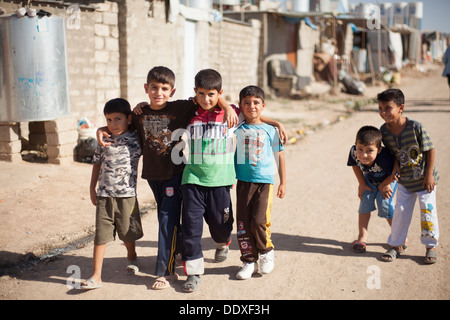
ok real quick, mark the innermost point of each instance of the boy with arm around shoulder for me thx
(115, 173)
(410, 143)
(257, 144)
(207, 178)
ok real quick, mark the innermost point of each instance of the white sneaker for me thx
(247, 270)
(267, 262)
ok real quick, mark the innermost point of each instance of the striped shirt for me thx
(409, 148)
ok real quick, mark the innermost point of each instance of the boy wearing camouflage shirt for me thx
(115, 172)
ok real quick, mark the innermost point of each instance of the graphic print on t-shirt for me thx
(156, 131)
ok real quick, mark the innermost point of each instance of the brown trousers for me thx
(253, 212)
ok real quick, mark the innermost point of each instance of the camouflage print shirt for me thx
(119, 163)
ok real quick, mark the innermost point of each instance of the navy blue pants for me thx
(212, 204)
(168, 200)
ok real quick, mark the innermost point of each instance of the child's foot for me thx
(131, 268)
(359, 246)
(221, 255)
(247, 270)
(267, 262)
(164, 282)
(393, 253)
(191, 283)
(431, 256)
(91, 283)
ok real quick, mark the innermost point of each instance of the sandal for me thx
(91, 283)
(390, 255)
(431, 257)
(131, 267)
(164, 282)
(359, 246)
(191, 283)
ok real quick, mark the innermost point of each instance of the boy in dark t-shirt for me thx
(372, 165)
(157, 124)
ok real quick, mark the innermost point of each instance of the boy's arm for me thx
(282, 173)
(138, 109)
(93, 185)
(362, 185)
(428, 180)
(280, 127)
(103, 132)
(230, 115)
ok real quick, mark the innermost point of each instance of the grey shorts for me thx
(117, 215)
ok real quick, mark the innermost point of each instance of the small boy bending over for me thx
(372, 165)
(115, 172)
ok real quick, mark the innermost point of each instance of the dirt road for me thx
(313, 226)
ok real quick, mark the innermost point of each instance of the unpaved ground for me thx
(46, 206)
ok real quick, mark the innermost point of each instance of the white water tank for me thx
(198, 4)
(415, 10)
(400, 13)
(300, 5)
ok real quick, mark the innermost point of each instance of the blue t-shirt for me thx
(380, 169)
(256, 145)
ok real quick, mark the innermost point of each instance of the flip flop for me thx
(431, 254)
(390, 255)
(359, 246)
(131, 267)
(191, 283)
(91, 283)
(164, 282)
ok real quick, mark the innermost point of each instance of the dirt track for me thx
(43, 205)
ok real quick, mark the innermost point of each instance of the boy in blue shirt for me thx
(257, 144)
(372, 165)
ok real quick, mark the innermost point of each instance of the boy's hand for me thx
(428, 182)
(138, 109)
(363, 187)
(283, 133)
(101, 132)
(281, 191)
(230, 117)
(386, 190)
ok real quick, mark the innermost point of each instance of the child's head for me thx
(208, 88)
(251, 103)
(368, 144)
(118, 115)
(391, 104)
(160, 86)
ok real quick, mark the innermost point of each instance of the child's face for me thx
(207, 98)
(390, 112)
(117, 123)
(158, 93)
(367, 153)
(252, 107)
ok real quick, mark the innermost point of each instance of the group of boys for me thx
(405, 167)
(190, 179)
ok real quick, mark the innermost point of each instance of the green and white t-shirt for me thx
(210, 161)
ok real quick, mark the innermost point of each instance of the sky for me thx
(436, 13)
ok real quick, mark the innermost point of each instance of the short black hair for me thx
(368, 135)
(118, 105)
(395, 95)
(208, 79)
(161, 74)
(252, 91)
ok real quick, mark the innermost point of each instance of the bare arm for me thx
(428, 181)
(93, 185)
(231, 117)
(282, 173)
(362, 185)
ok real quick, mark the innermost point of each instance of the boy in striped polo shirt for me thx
(417, 176)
